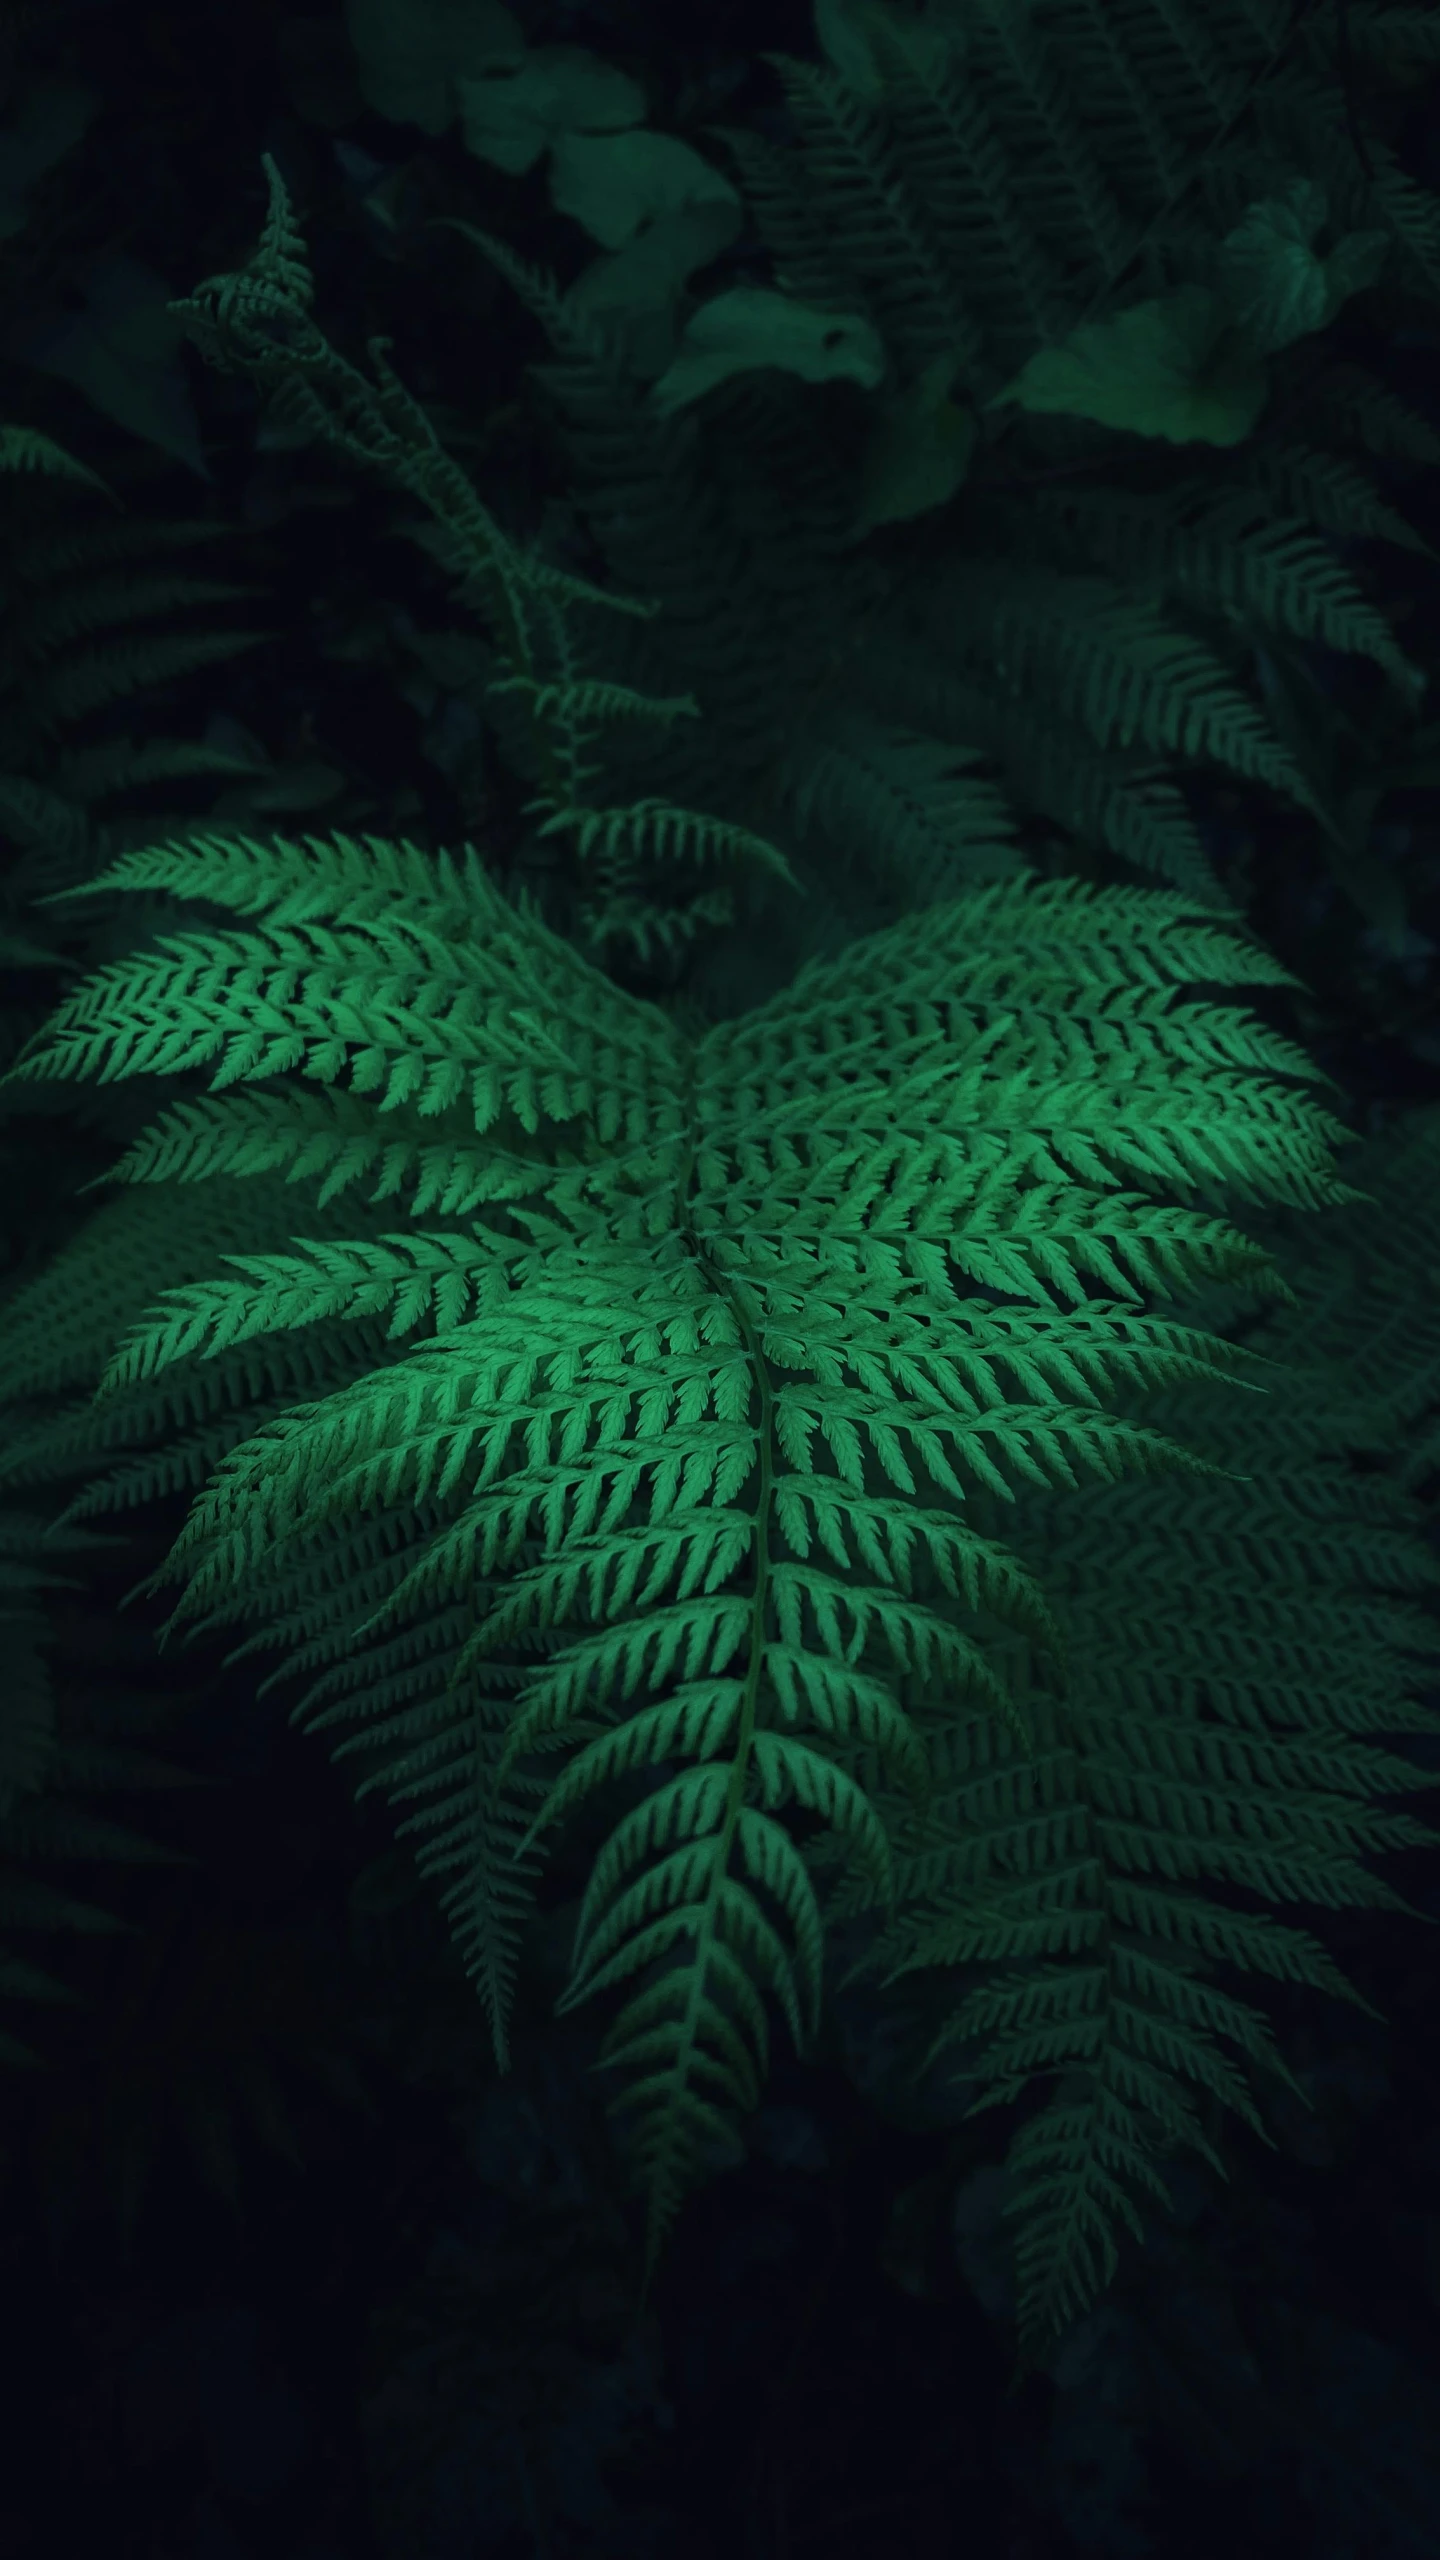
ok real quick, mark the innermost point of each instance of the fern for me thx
(85, 630)
(1240, 1647)
(258, 322)
(736, 1327)
(971, 188)
(968, 190)
(762, 1404)
(75, 640)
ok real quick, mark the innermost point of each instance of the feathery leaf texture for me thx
(83, 630)
(698, 1392)
(258, 321)
(780, 1403)
(1240, 1648)
(972, 188)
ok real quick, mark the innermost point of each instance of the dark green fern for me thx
(540, 694)
(972, 190)
(762, 1403)
(1241, 1650)
(709, 1345)
(88, 626)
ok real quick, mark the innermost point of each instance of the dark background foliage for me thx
(288, 2269)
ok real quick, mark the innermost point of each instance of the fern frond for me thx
(1336, 497)
(68, 614)
(897, 266)
(1127, 802)
(87, 606)
(387, 996)
(408, 1278)
(63, 1325)
(26, 449)
(737, 1371)
(90, 679)
(1240, 1647)
(1113, 662)
(424, 1731)
(105, 767)
(1225, 554)
(908, 808)
(692, 1447)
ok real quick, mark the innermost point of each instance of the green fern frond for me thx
(689, 1436)
(1240, 1647)
(634, 925)
(434, 1741)
(332, 1138)
(1111, 661)
(1411, 213)
(68, 614)
(258, 322)
(780, 1299)
(44, 546)
(909, 809)
(26, 449)
(63, 1326)
(807, 262)
(884, 243)
(674, 835)
(92, 678)
(984, 181)
(87, 605)
(974, 186)
(408, 1278)
(418, 1728)
(746, 557)
(1223, 553)
(590, 699)
(1052, 767)
(73, 580)
(955, 154)
(1332, 493)
(105, 767)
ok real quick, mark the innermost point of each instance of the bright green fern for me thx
(703, 1349)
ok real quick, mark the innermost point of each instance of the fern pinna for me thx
(702, 1351)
